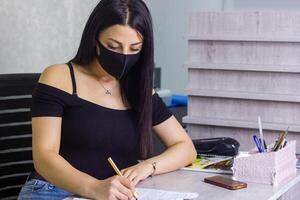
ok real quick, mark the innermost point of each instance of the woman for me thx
(101, 104)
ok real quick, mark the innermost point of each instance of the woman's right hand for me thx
(114, 188)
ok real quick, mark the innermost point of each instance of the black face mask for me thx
(116, 64)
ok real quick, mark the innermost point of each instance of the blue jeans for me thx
(35, 189)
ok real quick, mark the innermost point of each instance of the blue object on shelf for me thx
(171, 105)
(178, 100)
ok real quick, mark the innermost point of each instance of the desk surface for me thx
(189, 181)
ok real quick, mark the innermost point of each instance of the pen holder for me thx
(267, 168)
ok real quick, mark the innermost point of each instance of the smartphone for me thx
(225, 182)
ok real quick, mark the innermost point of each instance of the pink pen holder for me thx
(267, 168)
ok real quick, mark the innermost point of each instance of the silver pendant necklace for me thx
(108, 91)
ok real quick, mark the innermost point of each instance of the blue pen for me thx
(258, 144)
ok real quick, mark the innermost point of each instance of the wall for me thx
(35, 34)
(170, 24)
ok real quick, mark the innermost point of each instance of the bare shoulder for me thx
(153, 91)
(58, 76)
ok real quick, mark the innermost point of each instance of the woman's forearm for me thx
(175, 157)
(62, 174)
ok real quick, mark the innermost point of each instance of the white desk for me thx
(188, 181)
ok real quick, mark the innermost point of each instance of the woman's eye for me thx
(135, 50)
(112, 47)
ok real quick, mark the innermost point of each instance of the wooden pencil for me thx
(114, 166)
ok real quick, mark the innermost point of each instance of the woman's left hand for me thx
(138, 172)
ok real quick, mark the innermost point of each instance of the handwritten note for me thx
(154, 194)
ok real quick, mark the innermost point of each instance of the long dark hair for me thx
(136, 87)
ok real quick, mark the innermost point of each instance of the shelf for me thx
(240, 38)
(231, 123)
(243, 67)
(244, 95)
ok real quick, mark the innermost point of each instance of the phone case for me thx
(225, 182)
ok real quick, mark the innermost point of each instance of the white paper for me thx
(154, 194)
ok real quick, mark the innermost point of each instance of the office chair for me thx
(15, 132)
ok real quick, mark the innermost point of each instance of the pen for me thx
(258, 144)
(278, 142)
(263, 143)
(287, 131)
(281, 140)
(261, 134)
(114, 166)
(284, 142)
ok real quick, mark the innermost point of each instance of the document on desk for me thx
(154, 194)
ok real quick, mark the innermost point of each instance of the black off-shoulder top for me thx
(91, 133)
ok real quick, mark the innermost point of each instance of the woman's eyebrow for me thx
(121, 42)
(137, 43)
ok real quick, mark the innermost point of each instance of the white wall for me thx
(170, 24)
(38, 33)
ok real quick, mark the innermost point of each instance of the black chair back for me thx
(15, 132)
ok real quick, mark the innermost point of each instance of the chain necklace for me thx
(107, 91)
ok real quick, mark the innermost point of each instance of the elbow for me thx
(193, 153)
(37, 164)
(190, 152)
(40, 162)
(37, 169)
